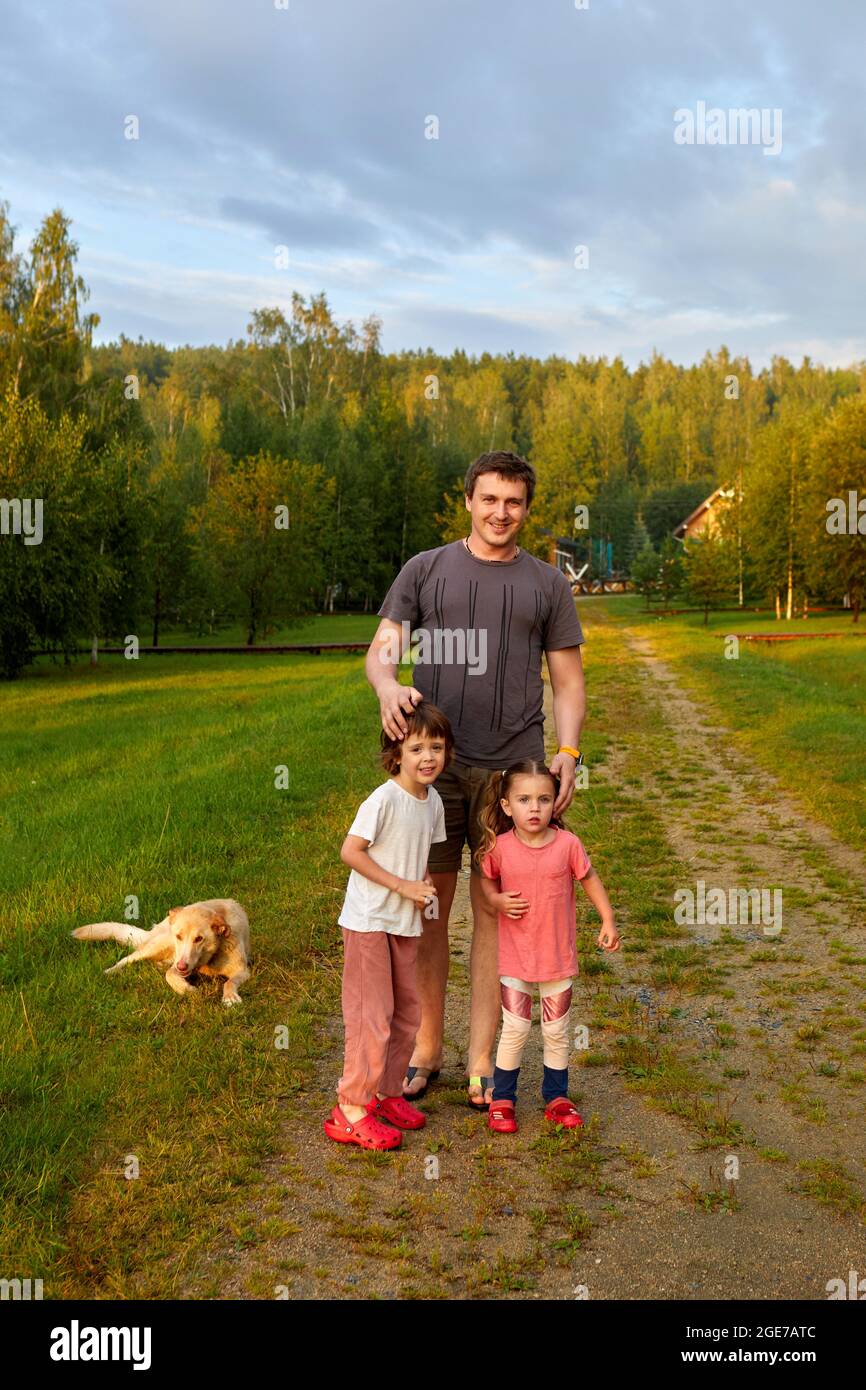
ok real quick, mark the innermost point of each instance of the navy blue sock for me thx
(505, 1084)
(555, 1083)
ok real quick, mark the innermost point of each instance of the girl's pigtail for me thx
(491, 817)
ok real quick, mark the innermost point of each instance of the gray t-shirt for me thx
(481, 628)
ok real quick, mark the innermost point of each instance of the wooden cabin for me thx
(705, 517)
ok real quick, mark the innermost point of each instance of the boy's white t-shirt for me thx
(401, 830)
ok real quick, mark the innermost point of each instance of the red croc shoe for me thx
(562, 1112)
(369, 1133)
(500, 1117)
(394, 1110)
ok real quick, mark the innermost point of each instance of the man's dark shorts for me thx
(461, 788)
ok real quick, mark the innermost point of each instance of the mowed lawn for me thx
(798, 708)
(156, 779)
(320, 627)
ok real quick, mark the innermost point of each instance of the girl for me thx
(529, 861)
(386, 849)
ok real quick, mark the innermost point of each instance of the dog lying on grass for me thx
(209, 938)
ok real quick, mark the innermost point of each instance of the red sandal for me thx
(369, 1132)
(397, 1111)
(500, 1117)
(562, 1112)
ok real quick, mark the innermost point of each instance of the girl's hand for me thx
(510, 904)
(421, 891)
(608, 937)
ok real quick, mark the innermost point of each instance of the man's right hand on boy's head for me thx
(396, 700)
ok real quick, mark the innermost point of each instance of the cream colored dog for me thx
(209, 938)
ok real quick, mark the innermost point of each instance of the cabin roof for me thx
(680, 531)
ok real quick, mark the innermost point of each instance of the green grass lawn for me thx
(318, 627)
(156, 779)
(798, 708)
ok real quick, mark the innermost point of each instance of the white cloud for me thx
(306, 127)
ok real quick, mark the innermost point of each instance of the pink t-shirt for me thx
(541, 944)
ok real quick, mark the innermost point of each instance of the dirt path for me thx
(794, 1022)
(541, 1216)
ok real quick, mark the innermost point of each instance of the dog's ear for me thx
(173, 913)
(220, 925)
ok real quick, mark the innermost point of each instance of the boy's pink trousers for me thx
(381, 1013)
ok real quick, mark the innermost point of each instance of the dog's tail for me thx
(112, 931)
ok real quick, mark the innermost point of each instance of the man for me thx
(486, 609)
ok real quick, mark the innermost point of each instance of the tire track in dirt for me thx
(786, 1100)
(754, 835)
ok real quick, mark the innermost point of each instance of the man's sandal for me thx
(501, 1118)
(481, 1083)
(427, 1075)
(369, 1133)
(394, 1110)
(562, 1112)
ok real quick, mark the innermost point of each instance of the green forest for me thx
(295, 469)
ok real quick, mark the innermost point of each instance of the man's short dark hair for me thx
(507, 466)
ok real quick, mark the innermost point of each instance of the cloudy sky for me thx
(306, 127)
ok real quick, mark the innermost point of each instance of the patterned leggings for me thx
(516, 1015)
